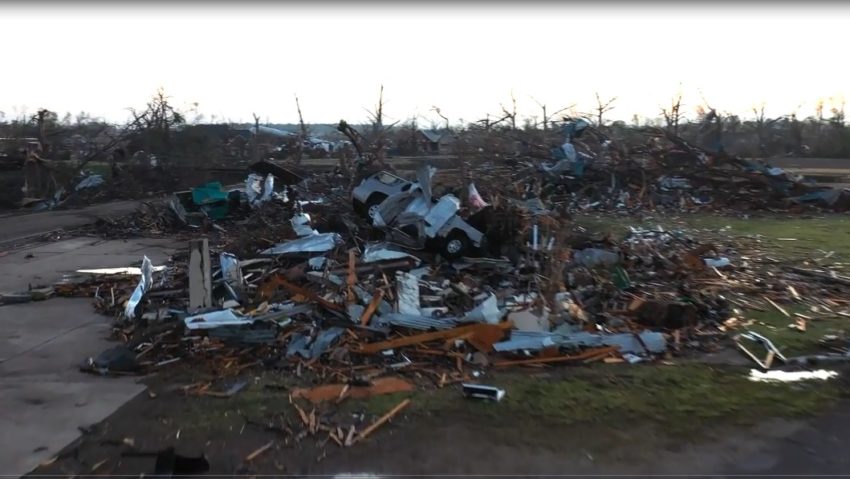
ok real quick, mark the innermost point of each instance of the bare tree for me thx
(255, 147)
(602, 108)
(673, 115)
(796, 134)
(548, 117)
(837, 110)
(819, 110)
(370, 149)
(511, 115)
(302, 137)
(154, 124)
(378, 131)
(41, 119)
(763, 124)
(377, 137)
(488, 125)
(711, 124)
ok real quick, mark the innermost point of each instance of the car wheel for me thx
(372, 204)
(455, 245)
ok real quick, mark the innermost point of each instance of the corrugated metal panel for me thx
(417, 322)
(627, 342)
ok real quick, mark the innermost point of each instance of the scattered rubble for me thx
(594, 173)
(413, 289)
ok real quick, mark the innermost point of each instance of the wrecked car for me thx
(410, 216)
(374, 189)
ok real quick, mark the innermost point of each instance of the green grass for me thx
(827, 233)
(255, 403)
(681, 399)
(774, 325)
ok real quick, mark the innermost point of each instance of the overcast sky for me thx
(239, 59)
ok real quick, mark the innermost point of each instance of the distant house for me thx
(435, 142)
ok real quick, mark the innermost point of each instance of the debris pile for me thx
(369, 295)
(669, 172)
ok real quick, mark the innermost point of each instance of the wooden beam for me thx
(386, 417)
(373, 306)
(200, 279)
(484, 335)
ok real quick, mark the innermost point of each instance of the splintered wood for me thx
(330, 392)
(778, 308)
(482, 337)
(386, 417)
(373, 306)
(256, 453)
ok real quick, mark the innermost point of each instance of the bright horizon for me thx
(239, 59)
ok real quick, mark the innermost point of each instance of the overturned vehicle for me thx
(409, 215)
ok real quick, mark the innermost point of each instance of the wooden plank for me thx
(373, 306)
(268, 288)
(779, 308)
(386, 417)
(258, 451)
(200, 279)
(351, 280)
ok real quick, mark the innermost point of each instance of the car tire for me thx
(373, 202)
(455, 245)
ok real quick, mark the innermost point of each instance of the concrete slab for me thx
(44, 398)
(16, 227)
(40, 417)
(69, 325)
(46, 264)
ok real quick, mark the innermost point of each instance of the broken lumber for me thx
(258, 451)
(200, 279)
(386, 417)
(778, 308)
(268, 288)
(373, 306)
(589, 354)
(483, 337)
(329, 392)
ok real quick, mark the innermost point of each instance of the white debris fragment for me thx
(790, 376)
